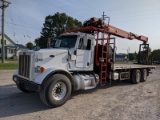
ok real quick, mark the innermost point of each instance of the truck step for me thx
(89, 87)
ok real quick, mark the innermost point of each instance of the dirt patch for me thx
(121, 101)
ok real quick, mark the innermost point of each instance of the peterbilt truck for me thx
(80, 59)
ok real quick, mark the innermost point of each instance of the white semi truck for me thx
(79, 60)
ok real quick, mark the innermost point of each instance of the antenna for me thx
(104, 18)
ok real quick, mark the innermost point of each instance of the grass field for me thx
(8, 65)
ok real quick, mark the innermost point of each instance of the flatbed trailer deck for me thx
(132, 72)
(132, 66)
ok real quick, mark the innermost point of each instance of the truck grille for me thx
(24, 65)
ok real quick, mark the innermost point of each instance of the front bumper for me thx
(28, 85)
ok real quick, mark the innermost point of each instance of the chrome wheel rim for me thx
(59, 91)
(138, 76)
(145, 74)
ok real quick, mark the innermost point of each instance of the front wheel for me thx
(56, 91)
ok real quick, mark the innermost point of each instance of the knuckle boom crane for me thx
(97, 25)
(103, 59)
(80, 59)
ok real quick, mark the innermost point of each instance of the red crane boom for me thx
(96, 24)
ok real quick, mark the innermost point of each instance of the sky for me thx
(24, 18)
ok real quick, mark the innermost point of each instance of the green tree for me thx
(149, 52)
(55, 25)
(156, 55)
(135, 55)
(131, 56)
(30, 45)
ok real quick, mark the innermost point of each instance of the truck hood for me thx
(43, 55)
(51, 51)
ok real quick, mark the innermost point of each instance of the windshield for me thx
(65, 41)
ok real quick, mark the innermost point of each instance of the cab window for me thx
(85, 45)
(81, 44)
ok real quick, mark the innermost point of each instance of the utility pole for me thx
(3, 6)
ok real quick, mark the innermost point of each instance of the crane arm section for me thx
(96, 24)
(118, 32)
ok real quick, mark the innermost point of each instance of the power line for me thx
(24, 28)
(15, 9)
(22, 25)
(18, 10)
(14, 33)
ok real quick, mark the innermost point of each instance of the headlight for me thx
(39, 69)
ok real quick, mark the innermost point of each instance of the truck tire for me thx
(143, 75)
(136, 76)
(56, 91)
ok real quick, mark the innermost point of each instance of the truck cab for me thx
(70, 62)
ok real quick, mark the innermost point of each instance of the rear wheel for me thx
(143, 75)
(136, 76)
(56, 91)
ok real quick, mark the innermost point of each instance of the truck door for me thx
(84, 53)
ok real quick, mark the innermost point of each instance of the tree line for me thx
(153, 55)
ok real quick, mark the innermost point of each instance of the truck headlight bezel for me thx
(39, 69)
